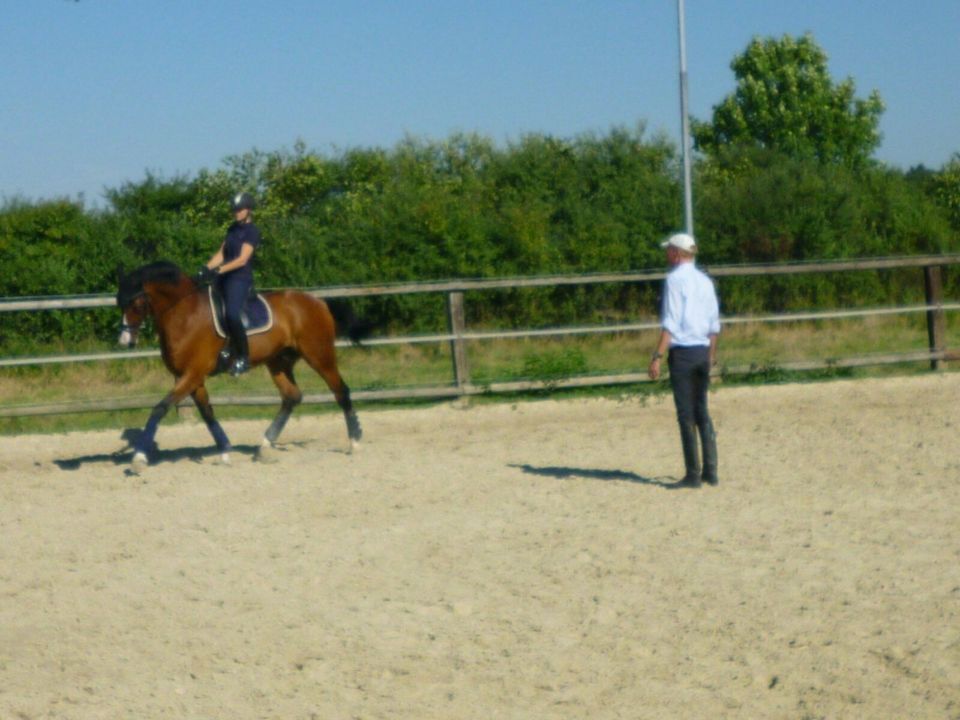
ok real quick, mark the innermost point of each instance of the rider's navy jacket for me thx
(237, 235)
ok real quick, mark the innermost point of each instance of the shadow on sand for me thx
(124, 455)
(563, 473)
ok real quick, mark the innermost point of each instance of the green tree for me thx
(946, 190)
(786, 101)
(50, 248)
(756, 205)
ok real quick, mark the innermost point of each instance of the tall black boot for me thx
(240, 350)
(708, 438)
(691, 455)
(224, 357)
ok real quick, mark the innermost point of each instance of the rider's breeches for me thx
(235, 291)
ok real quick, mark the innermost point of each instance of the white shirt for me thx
(690, 310)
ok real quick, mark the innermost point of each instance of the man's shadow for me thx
(124, 455)
(564, 473)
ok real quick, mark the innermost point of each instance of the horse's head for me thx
(133, 296)
(132, 302)
(131, 320)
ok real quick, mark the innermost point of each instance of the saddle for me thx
(256, 315)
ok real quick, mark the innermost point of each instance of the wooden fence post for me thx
(458, 346)
(936, 322)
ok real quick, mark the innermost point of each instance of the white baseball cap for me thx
(681, 241)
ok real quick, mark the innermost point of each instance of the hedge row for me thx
(467, 208)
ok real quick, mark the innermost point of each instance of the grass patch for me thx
(763, 347)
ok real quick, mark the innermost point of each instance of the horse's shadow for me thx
(124, 455)
(564, 473)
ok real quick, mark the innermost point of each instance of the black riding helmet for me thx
(242, 201)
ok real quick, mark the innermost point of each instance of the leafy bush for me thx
(466, 208)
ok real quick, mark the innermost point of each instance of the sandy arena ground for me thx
(524, 561)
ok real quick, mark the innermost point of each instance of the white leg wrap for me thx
(139, 462)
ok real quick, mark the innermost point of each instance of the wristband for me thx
(656, 356)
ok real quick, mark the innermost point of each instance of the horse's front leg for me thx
(201, 399)
(144, 443)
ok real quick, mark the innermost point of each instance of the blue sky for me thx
(97, 93)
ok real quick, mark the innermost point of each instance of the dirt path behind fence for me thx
(510, 561)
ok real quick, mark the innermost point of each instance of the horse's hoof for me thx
(222, 459)
(354, 446)
(139, 463)
(266, 454)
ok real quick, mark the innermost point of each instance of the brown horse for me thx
(303, 326)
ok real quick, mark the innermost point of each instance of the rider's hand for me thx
(204, 276)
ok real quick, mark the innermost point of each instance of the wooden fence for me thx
(458, 335)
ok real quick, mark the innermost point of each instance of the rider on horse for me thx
(232, 268)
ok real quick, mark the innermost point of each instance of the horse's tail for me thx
(356, 328)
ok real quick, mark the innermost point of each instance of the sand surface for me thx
(523, 560)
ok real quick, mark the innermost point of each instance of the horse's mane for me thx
(131, 284)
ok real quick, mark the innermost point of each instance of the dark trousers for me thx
(690, 380)
(235, 290)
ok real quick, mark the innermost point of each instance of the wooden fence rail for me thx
(458, 336)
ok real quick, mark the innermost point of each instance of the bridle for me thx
(131, 330)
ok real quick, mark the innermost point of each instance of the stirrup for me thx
(240, 366)
(223, 363)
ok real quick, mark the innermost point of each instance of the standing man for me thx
(690, 324)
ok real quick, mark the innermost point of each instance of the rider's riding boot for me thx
(708, 438)
(241, 353)
(223, 361)
(691, 456)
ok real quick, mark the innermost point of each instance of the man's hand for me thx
(654, 370)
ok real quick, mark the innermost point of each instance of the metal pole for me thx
(685, 125)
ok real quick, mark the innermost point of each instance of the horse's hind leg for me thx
(201, 398)
(321, 356)
(281, 371)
